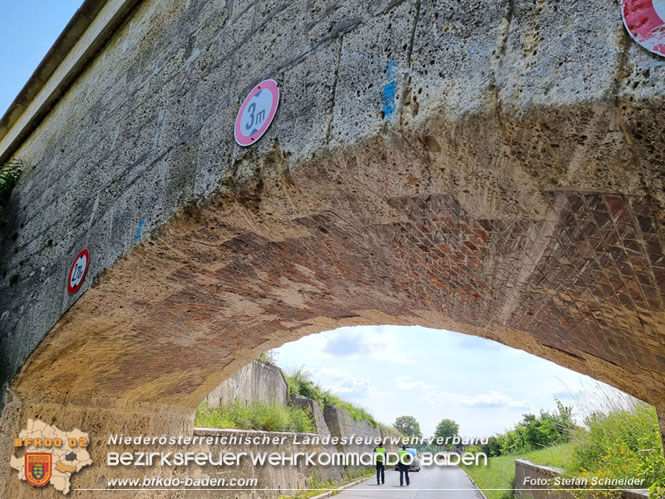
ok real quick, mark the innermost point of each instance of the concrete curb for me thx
(331, 492)
(474, 484)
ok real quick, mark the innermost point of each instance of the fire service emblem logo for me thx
(38, 466)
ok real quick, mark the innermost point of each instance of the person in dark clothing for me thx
(403, 466)
(380, 465)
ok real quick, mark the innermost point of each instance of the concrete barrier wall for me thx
(310, 405)
(258, 380)
(266, 382)
(343, 425)
(285, 480)
(533, 480)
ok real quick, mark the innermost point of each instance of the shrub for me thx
(534, 432)
(498, 478)
(9, 174)
(255, 416)
(620, 442)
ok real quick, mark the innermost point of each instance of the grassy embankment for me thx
(622, 441)
(500, 471)
(255, 416)
(300, 383)
(276, 417)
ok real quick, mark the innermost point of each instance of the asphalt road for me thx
(422, 483)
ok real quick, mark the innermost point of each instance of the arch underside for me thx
(484, 229)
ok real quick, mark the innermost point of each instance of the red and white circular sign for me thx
(78, 271)
(645, 21)
(257, 112)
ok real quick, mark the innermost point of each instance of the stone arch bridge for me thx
(490, 167)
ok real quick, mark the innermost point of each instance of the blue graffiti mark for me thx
(389, 91)
(139, 230)
(391, 70)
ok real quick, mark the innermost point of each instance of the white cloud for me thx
(376, 344)
(433, 395)
(406, 383)
(351, 387)
(495, 399)
(339, 383)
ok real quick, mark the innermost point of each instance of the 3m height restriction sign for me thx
(645, 21)
(257, 112)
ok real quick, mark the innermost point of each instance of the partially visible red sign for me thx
(645, 21)
(78, 271)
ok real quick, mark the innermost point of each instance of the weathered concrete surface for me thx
(490, 167)
(525, 487)
(265, 382)
(312, 406)
(283, 480)
(258, 380)
(342, 425)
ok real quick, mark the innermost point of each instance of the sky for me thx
(432, 374)
(29, 28)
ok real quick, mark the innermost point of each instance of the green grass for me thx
(500, 471)
(622, 441)
(255, 416)
(300, 383)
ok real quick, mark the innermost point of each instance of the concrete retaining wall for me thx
(343, 425)
(285, 480)
(526, 472)
(258, 380)
(310, 405)
(265, 382)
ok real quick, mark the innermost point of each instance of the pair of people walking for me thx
(402, 466)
